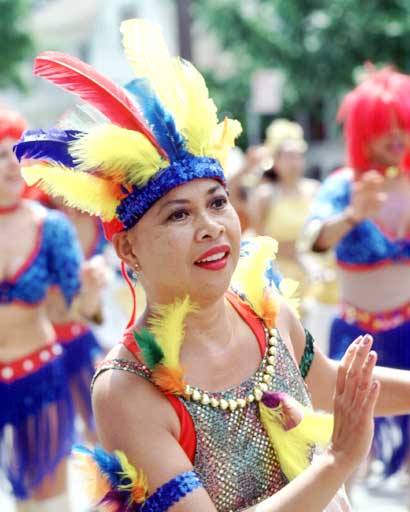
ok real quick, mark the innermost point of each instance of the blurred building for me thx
(88, 29)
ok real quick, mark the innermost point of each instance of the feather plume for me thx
(116, 485)
(269, 307)
(151, 352)
(50, 145)
(170, 380)
(288, 289)
(294, 431)
(168, 327)
(202, 120)
(148, 54)
(80, 190)
(223, 139)
(124, 156)
(249, 277)
(160, 121)
(79, 78)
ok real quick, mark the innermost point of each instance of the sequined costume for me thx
(230, 449)
(367, 246)
(37, 416)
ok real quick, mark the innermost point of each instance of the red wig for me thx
(370, 110)
(12, 124)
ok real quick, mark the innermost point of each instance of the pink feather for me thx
(79, 78)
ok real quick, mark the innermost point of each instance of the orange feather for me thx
(169, 379)
(270, 308)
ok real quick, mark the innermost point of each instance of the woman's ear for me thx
(123, 248)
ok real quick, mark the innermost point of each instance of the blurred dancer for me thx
(364, 212)
(38, 250)
(280, 205)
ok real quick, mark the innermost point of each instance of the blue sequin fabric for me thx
(171, 492)
(140, 200)
(365, 245)
(56, 261)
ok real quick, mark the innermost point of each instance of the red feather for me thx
(79, 78)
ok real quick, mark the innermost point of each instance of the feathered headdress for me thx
(138, 143)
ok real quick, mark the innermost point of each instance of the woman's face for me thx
(388, 149)
(289, 165)
(187, 243)
(11, 181)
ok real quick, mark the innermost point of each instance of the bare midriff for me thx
(377, 290)
(23, 330)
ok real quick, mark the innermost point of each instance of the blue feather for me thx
(50, 145)
(160, 121)
(107, 462)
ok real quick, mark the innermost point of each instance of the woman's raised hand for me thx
(354, 401)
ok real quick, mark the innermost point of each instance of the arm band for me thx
(171, 492)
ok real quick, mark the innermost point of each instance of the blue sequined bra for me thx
(366, 246)
(54, 260)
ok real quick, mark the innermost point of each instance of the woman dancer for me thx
(363, 211)
(205, 397)
(36, 420)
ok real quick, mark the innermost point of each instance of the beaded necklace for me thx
(197, 395)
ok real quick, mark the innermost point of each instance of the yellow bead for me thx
(205, 399)
(250, 398)
(271, 360)
(263, 386)
(274, 332)
(196, 395)
(258, 394)
(272, 341)
(233, 404)
(270, 369)
(267, 379)
(188, 390)
(241, 403)
(223, 404)
(272, 351)
(214, 402)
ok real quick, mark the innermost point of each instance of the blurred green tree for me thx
(15, 43)
(318, 44)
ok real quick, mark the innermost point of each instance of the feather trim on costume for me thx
(171, 380)
(50, 145)
(288, 289)
(79, 78)
(79, 190)
(151, 352)
(124, 156)
(112, 482)
(223, 139)
(269, 308)
(294, 431)
(168, 327)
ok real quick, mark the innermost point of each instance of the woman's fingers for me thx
(345, 365)
(366, 381)
(355, 373)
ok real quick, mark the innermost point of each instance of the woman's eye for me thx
(178, 216)
(219, 202)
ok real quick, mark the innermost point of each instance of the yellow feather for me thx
(148, 54)
(249, 276)
(294, 446)
(202, 120)
(80, 190)
(223, 139)
(168, 327)
(288, 288)
(120, 154)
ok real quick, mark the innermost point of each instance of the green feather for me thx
(150, 349)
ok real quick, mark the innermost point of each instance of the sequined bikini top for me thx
(366, 246)
(233, 455)
(54, 260)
